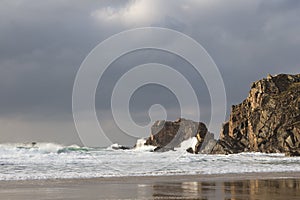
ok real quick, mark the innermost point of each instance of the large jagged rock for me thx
(167, 135)
(267, 121)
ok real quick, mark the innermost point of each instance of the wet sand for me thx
(228, 186)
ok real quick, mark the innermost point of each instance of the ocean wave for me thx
(25, 161)
(42, 148)
(139, 146)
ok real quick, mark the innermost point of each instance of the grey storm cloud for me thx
(43, 43)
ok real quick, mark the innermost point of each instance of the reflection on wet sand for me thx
(152, 188)
(246, 189)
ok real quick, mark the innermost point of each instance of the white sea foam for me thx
(140, 146)
(47, 161)
(114, 146)
(189, 143)
(39, 147)
(140, 143)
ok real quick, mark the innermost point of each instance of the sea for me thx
(54, 161)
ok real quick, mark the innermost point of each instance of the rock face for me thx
(267, 121)
(167, 135)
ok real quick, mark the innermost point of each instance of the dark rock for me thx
(120, 147)
(208, 146)
(163, 149)
(167, 135)
(267, 121)
(293, 153)
(190, 150)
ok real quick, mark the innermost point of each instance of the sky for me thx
(43, 43)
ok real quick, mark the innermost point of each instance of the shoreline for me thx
(166, 178)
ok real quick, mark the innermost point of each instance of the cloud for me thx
(134, 13)
(43, 43)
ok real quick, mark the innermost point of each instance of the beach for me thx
(222, 186)
(56, 172)
(51, 171)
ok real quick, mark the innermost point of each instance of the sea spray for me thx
(21, 161)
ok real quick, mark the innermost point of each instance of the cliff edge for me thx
(267, 121)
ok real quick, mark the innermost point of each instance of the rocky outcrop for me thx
(267, 121)
(167, 135)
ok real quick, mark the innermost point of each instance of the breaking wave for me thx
(27, 161)
(42, 147)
